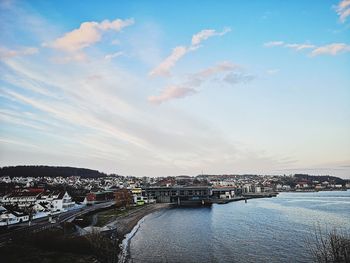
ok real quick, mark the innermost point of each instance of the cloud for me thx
(343, 10)
(331, 49)
(114, 55)
(10, 53)
(274, 44)
(272, 71)
(206, 33)
(220, 67)
(238, 77)
(194, 81)
(299, 47)
(73, 57)
(163, 69)
(88, 34)
(172, 92)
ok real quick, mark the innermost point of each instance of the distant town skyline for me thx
(165, 88)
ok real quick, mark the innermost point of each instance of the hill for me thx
(49, 171)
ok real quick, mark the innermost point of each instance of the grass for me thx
(107, 216)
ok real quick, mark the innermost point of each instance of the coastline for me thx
(127, 225)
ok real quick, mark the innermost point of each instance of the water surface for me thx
(262, 230)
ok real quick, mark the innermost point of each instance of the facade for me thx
(223, 192)
(20, 199)
(179, 195)
(137, 196)
(9, 217)
(99, 197)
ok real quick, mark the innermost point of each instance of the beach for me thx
(125, 223)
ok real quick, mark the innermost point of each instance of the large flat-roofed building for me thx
(180, 195)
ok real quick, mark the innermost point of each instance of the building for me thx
(21, 199)
(9, 216)
(99, 197)
(223, 192)
(137, 196)
(186, 195)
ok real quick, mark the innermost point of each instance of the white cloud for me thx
(299, 47)
(163, 69)
(220, 67)
(272, 71)
(10, 53)
(189, 87)
(274, 44)
(172, 92)
(343, 10)
(72, 57)
(88, 34)
(205, 34)
(114, 55)
(331, 49)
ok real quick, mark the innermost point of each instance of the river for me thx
(261, 230)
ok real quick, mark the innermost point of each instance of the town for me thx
(30, 198)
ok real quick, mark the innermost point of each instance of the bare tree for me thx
(329, 246)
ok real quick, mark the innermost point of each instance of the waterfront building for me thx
(180, 195)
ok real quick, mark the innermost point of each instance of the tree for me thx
(330, 247)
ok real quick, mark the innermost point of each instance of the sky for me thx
(166, 88)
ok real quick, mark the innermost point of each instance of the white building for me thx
(10, 217)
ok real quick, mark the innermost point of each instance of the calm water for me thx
(263, 230)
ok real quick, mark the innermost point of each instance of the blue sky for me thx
(162, 88)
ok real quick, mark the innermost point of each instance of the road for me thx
(43, 224)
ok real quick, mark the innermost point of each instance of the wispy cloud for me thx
(343, 10)
(295, 46)
(232, 75)
(274, 43)
(272, 71)
(10, 53)
(73, 57)
(207, 33)
(331, 49)
(114, 55)
(88, 34)
(299, 47)
(163, 69)
(172, 92)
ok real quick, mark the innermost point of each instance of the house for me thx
(21, 199)
(10, 216)
(56, 201)
(99, 197)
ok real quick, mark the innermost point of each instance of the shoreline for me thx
(127, 225)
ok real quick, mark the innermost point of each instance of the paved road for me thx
(43, 224)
